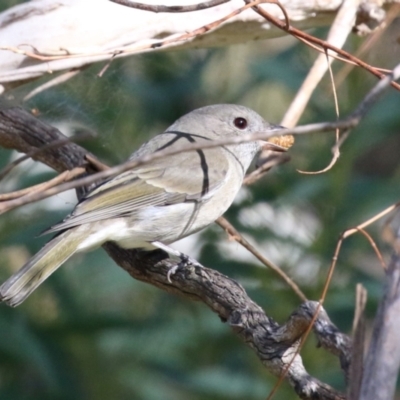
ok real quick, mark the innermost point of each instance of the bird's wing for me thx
(176, 179)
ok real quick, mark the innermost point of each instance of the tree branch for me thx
(382, 362)
(170, 9)
(60, 46)
(273, 344)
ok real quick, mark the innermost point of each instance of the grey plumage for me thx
(17, 288)
(161, 201)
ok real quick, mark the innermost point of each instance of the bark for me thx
(43, 36)
(382, 363)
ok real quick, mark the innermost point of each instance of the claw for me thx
(172, 271)
(185, 261)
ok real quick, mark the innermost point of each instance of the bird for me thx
(157, 203)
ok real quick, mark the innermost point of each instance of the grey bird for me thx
(157, 203)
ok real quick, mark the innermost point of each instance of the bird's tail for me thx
(19, 286)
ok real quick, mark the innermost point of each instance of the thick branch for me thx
(275, 345)
(382, 363)
(73, 38)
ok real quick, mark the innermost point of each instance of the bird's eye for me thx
(240, 123)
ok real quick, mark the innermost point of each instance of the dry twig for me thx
(235, 235)
(63, 177)
(324, 45)
(357, 357)
(338, 33)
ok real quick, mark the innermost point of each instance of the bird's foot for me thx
(185, 261)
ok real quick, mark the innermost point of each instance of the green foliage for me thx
(92, 332)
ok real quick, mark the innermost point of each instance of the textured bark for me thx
(382, 363)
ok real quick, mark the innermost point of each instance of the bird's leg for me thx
(184, 259)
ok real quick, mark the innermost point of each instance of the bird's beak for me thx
(273, 146)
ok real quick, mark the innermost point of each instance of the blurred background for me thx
(92, 332)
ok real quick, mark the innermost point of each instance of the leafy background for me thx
(92, 332)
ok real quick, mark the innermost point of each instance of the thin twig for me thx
(205, 28)
(235, 235)
(338, 33)
(283, 9)
(96, 163)
(336, 147)
(309, 328)
(357, 355)
(324, 44)
(57, 143)
(53, 82)
(63, 177)
(170, 9)
(105, 68)
(273, 161)
(374, 247)
(369, 43)
(386, 211)
(338, 57)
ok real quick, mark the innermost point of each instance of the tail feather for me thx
(19, 286)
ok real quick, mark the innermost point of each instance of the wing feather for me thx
(182, 177)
